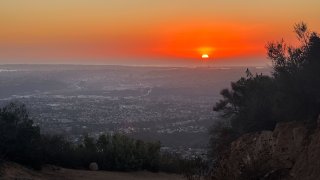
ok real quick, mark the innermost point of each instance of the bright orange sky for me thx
(145, 32)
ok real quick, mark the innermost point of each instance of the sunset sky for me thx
(148, 32)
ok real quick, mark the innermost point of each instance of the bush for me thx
(221, 135)
(191, 168)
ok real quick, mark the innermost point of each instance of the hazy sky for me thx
(151, 32)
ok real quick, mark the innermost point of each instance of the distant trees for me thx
(21, 142)
(258, 102)
(116, 152)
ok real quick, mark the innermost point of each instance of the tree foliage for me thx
(248, 104)
(258, 102)
(19, 138)
(297, 76)
(21, 141)
(111, 152)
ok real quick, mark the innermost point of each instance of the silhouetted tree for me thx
(20, 140)
(248, 105)
(297, 76)
(258, 102)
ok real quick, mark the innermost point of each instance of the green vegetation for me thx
(116, 153)
(192, 169)
(258, 102)
(21, 142)
(19, 139)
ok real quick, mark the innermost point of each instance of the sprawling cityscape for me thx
(148, 103)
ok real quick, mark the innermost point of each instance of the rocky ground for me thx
(291, 151)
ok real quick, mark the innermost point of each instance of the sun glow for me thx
(205, 52)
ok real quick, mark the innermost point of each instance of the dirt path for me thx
(13, 171)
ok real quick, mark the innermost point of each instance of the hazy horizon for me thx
(243, 62)
(148, 32)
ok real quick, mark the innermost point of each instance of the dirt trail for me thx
(12, 171)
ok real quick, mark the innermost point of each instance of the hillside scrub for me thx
(258, 102)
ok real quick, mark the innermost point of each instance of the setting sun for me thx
(205, 56)
(205, 51)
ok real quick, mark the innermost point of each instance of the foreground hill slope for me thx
(12, 171)
(291, 151)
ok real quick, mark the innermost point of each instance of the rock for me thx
(93, 166)
(291, 151)
(307, 164)
(53, 168)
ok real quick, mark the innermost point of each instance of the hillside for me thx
(290, 151)
(14, 171)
